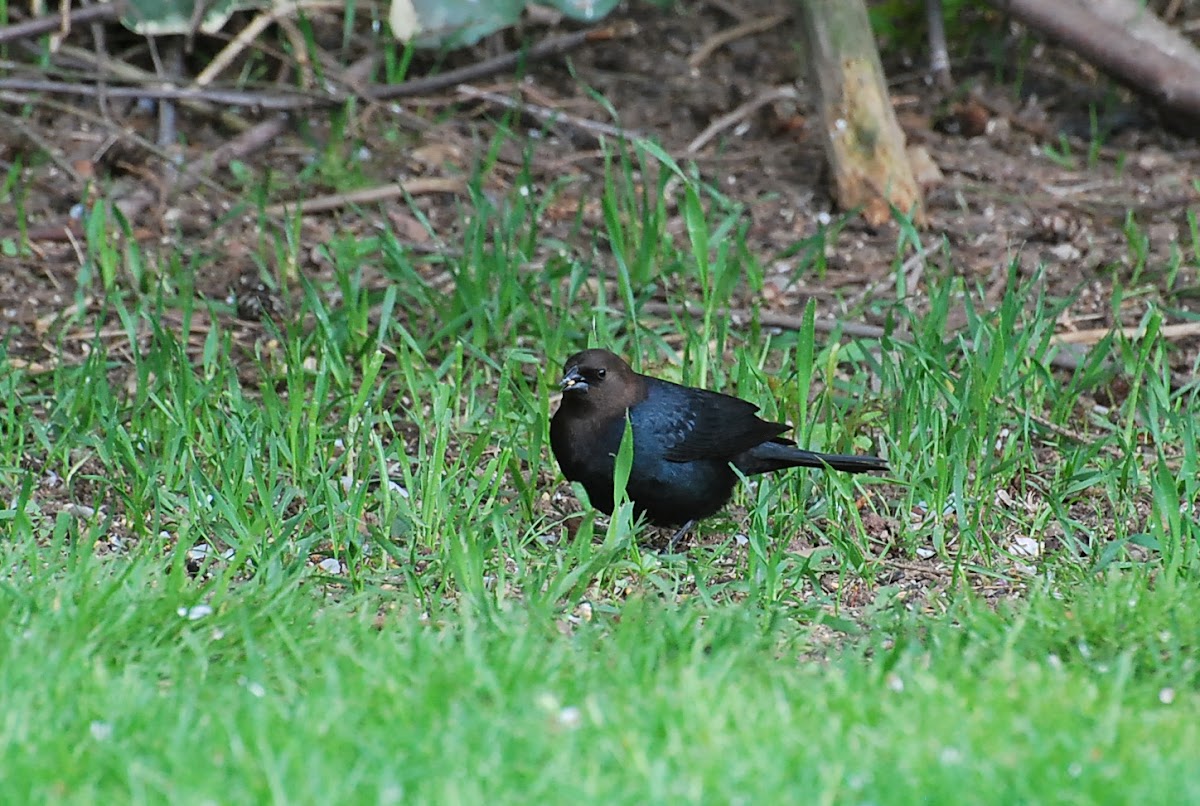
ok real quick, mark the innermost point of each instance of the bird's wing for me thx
(692, 424)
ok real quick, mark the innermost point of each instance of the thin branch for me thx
(553, 46)
(261, 100)
(198, 172)
(240, 147)
(127, 72)
(172, 68)
(723, 38)
(545, 113)
(394, 190)
(295, 100)
(29, 29)
(100, 41)
(45, 146)
(1181, 330)
(239, 43)
(737, 115)
(133, 205)
(124, 134)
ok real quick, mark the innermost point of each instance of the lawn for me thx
(325, 555)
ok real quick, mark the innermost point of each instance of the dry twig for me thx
(594, 128)
(1180, 330)
(29, 29)
(395, 190)
(287, 100)
(49, 149)
(723, 38)
(737, 115)
(554, 46)
(106, 65)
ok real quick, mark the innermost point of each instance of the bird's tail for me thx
(778, 455)
(843, 462)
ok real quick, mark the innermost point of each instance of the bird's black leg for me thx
(683, 530)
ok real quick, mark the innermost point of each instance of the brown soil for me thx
(999, 197)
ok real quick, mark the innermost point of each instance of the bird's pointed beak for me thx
(573, 382)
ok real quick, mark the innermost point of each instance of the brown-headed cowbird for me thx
(686, 441)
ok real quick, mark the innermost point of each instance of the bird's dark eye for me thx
(600, 373)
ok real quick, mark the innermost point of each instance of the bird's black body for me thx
(684, 440)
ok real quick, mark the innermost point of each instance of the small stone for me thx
(195, 612)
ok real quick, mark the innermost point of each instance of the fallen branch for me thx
(394, 190)
(291, 100)
(735, 117)
(82, 15)
(1180, 330)
(723, 38)
(110, 67)
(544, 113)
(21, 127)
(1125, 40)
(553, 46)
(244, 38)
(270, 101)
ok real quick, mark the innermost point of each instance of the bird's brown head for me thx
(602, 379)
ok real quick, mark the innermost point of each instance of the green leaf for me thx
(623, 464)
(584, 10)
(160, 17)
(450, 23)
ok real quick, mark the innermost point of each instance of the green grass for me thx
(279, 695)
(395, 421)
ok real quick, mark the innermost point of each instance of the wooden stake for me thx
(863, 141)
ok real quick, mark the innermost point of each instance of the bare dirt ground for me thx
(994, 195)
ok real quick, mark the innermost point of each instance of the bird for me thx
(687, 442)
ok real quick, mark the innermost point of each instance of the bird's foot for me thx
(683, 530)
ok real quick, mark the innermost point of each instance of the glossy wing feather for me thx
(696, 424)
